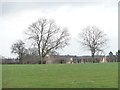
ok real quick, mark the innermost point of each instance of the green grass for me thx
(0, 76)
(61, 76)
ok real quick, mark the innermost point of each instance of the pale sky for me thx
(17, 16)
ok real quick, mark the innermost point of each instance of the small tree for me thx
(93, 38)
(47, 36)
(18, 48)
(112, 57)
(118, 55)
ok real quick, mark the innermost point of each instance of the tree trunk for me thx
(39, 50)
(41, 58)
(20, 57)
(40, 62)
(93, 57)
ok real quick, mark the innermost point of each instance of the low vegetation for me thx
(100, 75)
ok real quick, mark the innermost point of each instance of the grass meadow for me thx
(101, 75)
(0, 76)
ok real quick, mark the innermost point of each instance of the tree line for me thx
(47, 37)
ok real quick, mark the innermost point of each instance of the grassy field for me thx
(61, 76)
(0, 76)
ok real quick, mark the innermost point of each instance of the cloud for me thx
(75, 16)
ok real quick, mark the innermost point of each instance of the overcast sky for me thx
(17, 16)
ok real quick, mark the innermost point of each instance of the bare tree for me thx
(94, 39)
(47, 36)
(18, 48)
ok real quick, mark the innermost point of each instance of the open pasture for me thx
(101, 75)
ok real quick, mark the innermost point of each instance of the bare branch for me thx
(93, 38)
(47, 36)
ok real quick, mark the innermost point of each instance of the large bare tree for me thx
(94, 39)
(18, 48)
(47, 36)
